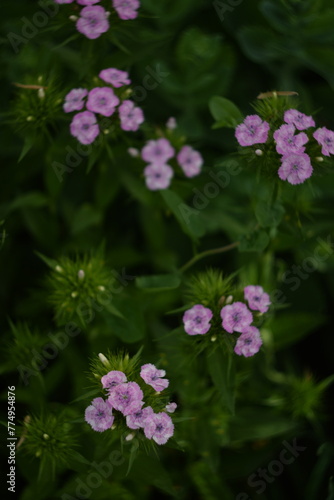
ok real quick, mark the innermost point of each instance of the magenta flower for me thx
(325, 138)
(159, 427)
(137, 420)
(288, 142)
(116, 77)
(298, 119)
(252, 131)
(126, 398)
(295, 168)
(153, 377)
(171, 407)
(197, 320)
(126, 9)
(158, 176)
(84, 127)
(131, 116)
(93, 21)
(112, 379)
(99, 415)
(157, 152)
(249, 342)
(102, 100)
(190, 161)
(257, 298)
(64, 1)
(74, 100)
(87, 2)
(236, 317)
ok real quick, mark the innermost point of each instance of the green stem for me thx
(213, 251)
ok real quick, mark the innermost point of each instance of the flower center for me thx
(159, 427)
(247, 341)
(198, 320)
(85, 126)
(236, 317)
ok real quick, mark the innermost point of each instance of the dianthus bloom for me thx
(252, 131)
(257, 298)
(295, 168)
(102, 100)
(159, 427)
(153, 377)
(126, 398)
(157, 152)
(126, 9)
(236, 317)
(158, 176)
(197, 320)
(74, 100)
(99, 415)
(130, 115)
(93, 21)
(325, 138)
(288, 142)
(298, 119)
(171, 407)
(84, 127)
(190, 161)
(137, 420)
(112, 379)
(249, 342)
(116, 77)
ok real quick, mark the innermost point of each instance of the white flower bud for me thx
(81, 274)
(103, 359)
(59, 269)
(46, 436)
(133, 152)
(101, 288)
(229, 299)
(30, 118)
(129, 437)
(74, 295)
(73, 18)
(113, 427)
(41, 93)
(213, 338)
(319, 158)
(171, 123)
(258, 152)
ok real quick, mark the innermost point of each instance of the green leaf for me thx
(225, 112)
(269, 215)
(85, 217)
(129, 328)
(159, 282)
(222, 371)
(189, 219)
(288, 328)
(277, 15)
(87, 396)
(260, 44)
(28, 144)
(34, 199)
(255, 241)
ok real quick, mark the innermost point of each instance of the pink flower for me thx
(126, 398)
(249, 342)
(295, 168)
(152, 376)
(236, 317)
(93, 21)
(74, 100)
(197, 320)
(99, 415)
(137, 420)
(87, 2)
(171, 407)
(287, 142)
(157, 152)
(64, 1)
(84, 127)
(102, 100)
(190, 161)
(116, 77)
(325, 138)
(158, 176)
(298, 119)
(112, 379)
(126, 9)
(257, 299)
(252, 131)
(159, 427)
(131, 116)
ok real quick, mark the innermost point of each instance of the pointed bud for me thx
(73, 18)
(113, 427)
(229, 299)
(74, 295)
(46, 436)
(213, 338)
(103, 359)
(319, 158)
(258, 152)
(81, 274)
(38, 453)
(171, 123)
(101, 288)
(30, 118)
(129, 437)
(41, 93)
(133, 152)
(59, 269)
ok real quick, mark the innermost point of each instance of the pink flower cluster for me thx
(128, 399)
(236, 317)
(290, 142)
(101, 101)
(93, 19)
(158, 173)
